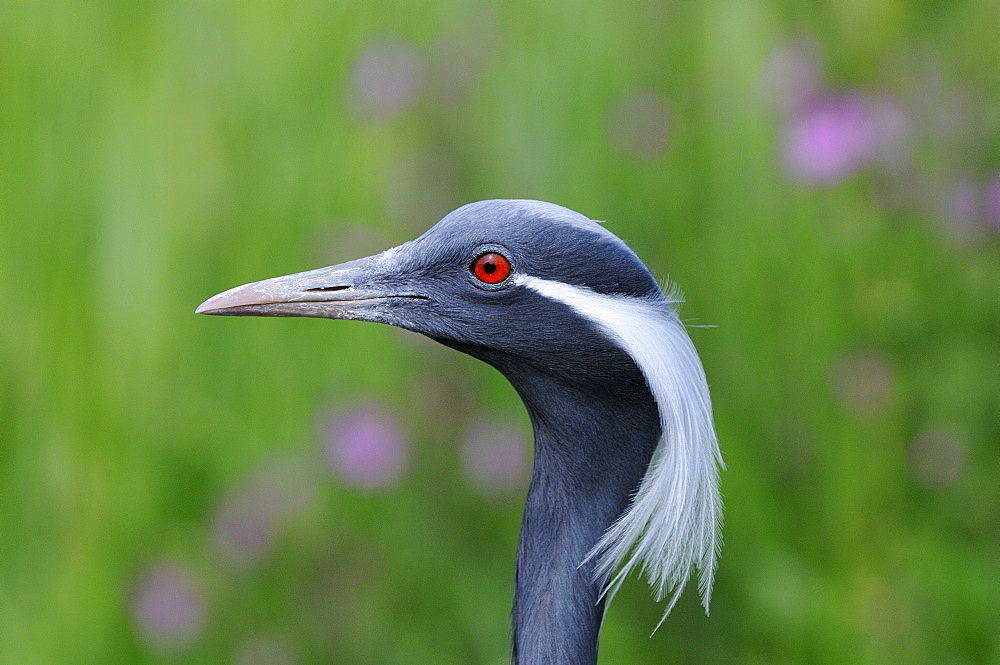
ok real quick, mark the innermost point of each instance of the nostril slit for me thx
(329, 288)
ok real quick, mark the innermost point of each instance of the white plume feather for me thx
(674, 521)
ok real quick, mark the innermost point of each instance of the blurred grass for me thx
(152, 154)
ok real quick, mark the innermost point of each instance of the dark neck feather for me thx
(596, 427)
(593, 443)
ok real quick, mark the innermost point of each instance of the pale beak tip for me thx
(240, 295)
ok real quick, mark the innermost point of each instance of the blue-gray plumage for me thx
(626, 461)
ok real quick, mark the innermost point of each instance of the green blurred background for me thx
(822, 179)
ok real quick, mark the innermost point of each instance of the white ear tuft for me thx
(674, 522)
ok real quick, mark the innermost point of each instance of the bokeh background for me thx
(822, 179)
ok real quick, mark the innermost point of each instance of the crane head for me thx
(466, 283)
(536, 289)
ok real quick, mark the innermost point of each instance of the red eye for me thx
(491, 268)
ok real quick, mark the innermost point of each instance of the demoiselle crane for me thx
(626, 462)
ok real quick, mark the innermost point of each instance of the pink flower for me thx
(963, 204)
(386, 78)
(831, 137)
(366, 448)
(864, 383)
(937, 458)
(243, 530)
(167, 608)
(494, 453)
(828, 139)
(992, 201)
(248, 518)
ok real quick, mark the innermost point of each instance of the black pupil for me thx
(489, 267)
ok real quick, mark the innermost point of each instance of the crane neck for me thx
(593, 442)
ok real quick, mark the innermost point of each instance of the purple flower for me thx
(828, 139)
(494, 453)
(831, 137)
(864, 383)
(992, 201)
(937, 458)
(963, 205)
(167, 608)
(959, 211)
(386, 78)
(970, 210)
(247, 520)
(365, 447)
(243, 530)
(639, 123)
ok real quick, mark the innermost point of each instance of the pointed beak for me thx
(344, 291)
